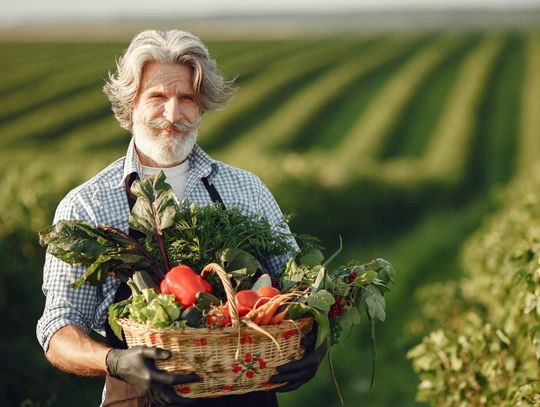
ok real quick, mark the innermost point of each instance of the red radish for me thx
(265, 294)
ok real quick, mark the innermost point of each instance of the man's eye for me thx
(156, 96)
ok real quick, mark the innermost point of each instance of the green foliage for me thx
(486, 345)
(146, 307)
(199, 235)
(339, 294)
(103, 250)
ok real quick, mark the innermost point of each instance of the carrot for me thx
(258, 314)
(269, 313)
(258, 318)
(264, 313)
(277, 318)
(252, 314)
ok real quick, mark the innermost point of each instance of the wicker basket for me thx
(231, 360)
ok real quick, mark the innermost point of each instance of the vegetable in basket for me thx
(184, 284)
(146, 306)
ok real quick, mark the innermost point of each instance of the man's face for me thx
(165, 115)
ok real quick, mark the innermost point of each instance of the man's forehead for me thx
(159, 74)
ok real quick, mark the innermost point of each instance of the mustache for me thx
(182, 125)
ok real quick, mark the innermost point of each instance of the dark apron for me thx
(121, 394)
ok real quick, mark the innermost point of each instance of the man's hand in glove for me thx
(300, 371)
(136, 366)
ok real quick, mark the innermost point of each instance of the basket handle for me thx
(229, 290)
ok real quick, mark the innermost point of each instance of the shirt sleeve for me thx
(269, 208)
(63, 304)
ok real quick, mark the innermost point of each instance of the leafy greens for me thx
(146, 307)
(184, 234)
(102, 250)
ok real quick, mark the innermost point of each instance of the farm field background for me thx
(396, 142)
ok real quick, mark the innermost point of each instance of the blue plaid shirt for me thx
(103, 200)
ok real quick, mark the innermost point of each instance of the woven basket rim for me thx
(285, 324)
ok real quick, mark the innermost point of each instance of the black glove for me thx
(136, 366)
(300, 371)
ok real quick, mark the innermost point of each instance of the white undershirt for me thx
(176, 177)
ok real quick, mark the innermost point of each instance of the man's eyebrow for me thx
(158, 90)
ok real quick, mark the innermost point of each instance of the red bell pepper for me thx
(184, 284)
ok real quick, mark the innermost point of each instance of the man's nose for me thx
(172, 111)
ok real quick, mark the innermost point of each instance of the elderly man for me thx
(164, 83)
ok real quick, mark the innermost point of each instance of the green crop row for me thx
(56, 86)
(26, 75)
(258, 57)
(416, 123)
(52, 121)
(445, 159)
(529, 141)
(283, 125)
(484, 347)
(360, 144)
(258, 96)
(19, 54)
(365, 140)
(493, 153)
(447, 153)
(368, 186)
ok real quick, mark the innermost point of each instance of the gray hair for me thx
(210, 89)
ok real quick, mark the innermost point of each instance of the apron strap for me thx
(212, 191)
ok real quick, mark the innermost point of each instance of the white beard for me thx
(164, 150)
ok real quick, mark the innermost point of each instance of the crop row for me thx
(58, 86)
(259, 96)
(64, 100)
(283, 125)
(493, 155)
(446, 155)
(416, 123)
(372, 187)
(529, 142)
(27, 75)
(366, 138)
(256, 59)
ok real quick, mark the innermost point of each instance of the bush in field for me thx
(485, 345)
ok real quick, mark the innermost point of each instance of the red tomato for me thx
(265, 293)
(245, 301)
(219, 318)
